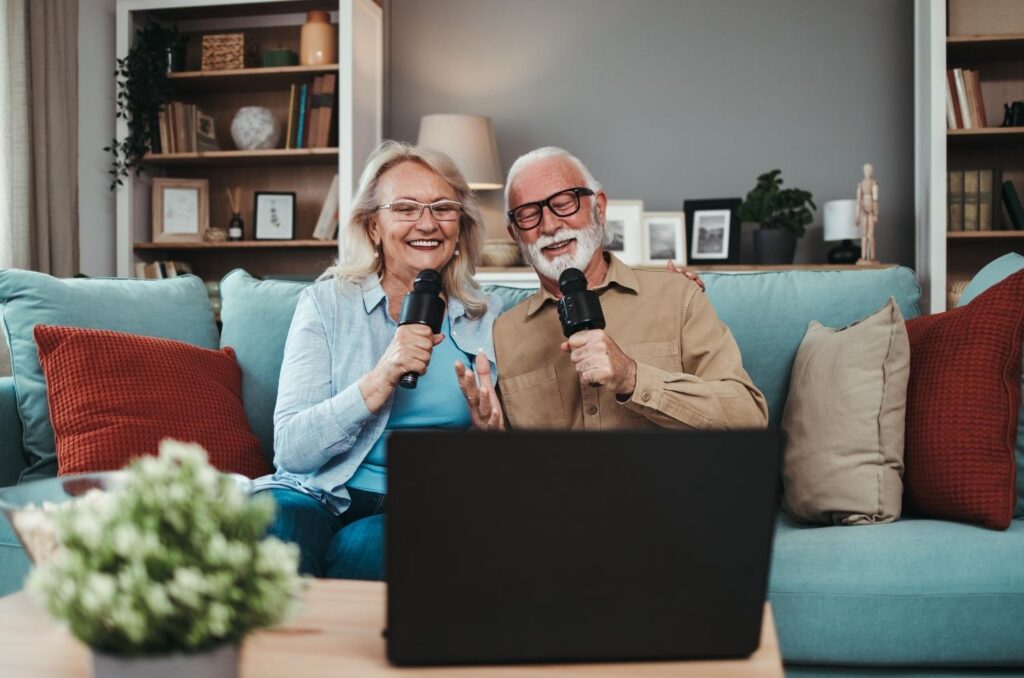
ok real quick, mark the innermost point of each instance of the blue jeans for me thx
(349, 546)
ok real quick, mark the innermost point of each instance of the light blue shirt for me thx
(429, 405)
(322, 427)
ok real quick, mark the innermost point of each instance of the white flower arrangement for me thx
(176, 560)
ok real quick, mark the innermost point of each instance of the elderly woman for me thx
(338, 395)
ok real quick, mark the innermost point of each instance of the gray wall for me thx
(673, 99)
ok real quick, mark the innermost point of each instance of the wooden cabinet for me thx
(307, 172)
(986, 36)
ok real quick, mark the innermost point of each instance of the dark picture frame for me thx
(273, 215)
(712, 231)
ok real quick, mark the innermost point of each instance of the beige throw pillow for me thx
(844, 419)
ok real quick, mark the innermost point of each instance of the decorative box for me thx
(223, 51)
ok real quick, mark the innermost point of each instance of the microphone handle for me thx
(408, 380)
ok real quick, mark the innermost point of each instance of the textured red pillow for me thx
(963, 401)
(114, 396)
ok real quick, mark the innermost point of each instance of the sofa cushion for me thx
(115, 396)
(12, 462)
(255, 316)
(963, 402)
(175, 308)
(913, 592)
(768, 313)
(992, 273)
(844, 422)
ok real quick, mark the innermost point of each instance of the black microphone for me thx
(422, 306)
(579, 308)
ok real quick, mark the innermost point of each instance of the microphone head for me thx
(572, 280)
(428, 280)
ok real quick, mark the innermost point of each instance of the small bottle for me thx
(236, 227)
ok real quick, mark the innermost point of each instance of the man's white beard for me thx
(588, 241)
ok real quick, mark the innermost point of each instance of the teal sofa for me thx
(916, 597)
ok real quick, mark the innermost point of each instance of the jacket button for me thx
(592, 409)
(646, 396)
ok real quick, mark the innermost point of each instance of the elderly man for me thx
(664, 358)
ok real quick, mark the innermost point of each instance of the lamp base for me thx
(845, 253)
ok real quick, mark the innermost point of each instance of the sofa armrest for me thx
(12, 457)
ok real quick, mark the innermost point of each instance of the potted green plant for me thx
(168, 570)
(142, 91)
(782, 215)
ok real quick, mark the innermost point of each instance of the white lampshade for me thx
(469, 140)
(840, 220)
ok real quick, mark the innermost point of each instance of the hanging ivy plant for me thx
(142, 91)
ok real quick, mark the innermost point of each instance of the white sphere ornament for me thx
(254, 128)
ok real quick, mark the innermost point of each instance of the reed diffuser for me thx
(236, 227)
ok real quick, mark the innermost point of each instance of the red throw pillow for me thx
(963, 401)
(114, 396)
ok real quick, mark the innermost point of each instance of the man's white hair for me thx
(523, 161)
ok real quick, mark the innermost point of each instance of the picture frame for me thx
(180, 209)
(273, 215)
(665, 237)
(624, 230)
(713, 231)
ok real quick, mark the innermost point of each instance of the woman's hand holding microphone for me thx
(409, 351)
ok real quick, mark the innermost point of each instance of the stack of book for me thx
(185, 129)
(311, 109)
(965, 107)
(974, 200)
(161, 269)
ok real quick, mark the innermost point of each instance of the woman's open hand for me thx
(484, 406)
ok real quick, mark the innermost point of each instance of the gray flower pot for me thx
(220, 662)
(774, 246)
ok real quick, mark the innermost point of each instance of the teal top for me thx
(436, 402)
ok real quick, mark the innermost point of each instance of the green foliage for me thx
(142, 91)
(774, 207)
(174, 561)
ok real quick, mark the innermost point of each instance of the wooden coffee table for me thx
(337, 634)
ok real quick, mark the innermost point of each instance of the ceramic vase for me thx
(255, 127)
(218, 662)
(318, 41)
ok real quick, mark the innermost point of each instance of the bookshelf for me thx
(986, 36)
(306, 172)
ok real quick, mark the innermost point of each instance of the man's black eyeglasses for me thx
(563, 204)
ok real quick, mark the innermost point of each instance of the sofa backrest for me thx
(768, 313)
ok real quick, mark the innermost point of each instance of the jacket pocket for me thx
(533, 399)
(661, 354)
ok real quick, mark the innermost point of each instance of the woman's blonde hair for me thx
(357, 260)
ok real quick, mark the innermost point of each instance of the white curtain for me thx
(15, 138)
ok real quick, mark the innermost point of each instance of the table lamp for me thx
(469, 140)
(840, 224)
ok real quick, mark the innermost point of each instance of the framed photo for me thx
(713, 230)
(274, 215)
(624, 230)
(180, 209)
(664, 237)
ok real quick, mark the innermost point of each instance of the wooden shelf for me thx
(238, 244)
(275, 156)
(984, 235)
(1001, 132)
(245, 79)
(985, 47)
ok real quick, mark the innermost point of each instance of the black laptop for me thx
(559, 547)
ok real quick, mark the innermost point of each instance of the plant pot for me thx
(774, 246)
(218, 662)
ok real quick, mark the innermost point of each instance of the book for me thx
(301, 127)
(327, 223)
(985, 177)
(970, 200)
(955, 201)
(951, 88)
(950, 111)
(327, 110)
(977, 101)
(291, 118)
(313, 122)
(1013, 206)
(162, 122)
(961, 97)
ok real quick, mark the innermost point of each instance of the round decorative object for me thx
(501, 253)
(318, 41)
(255, 127)
(215, 234)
